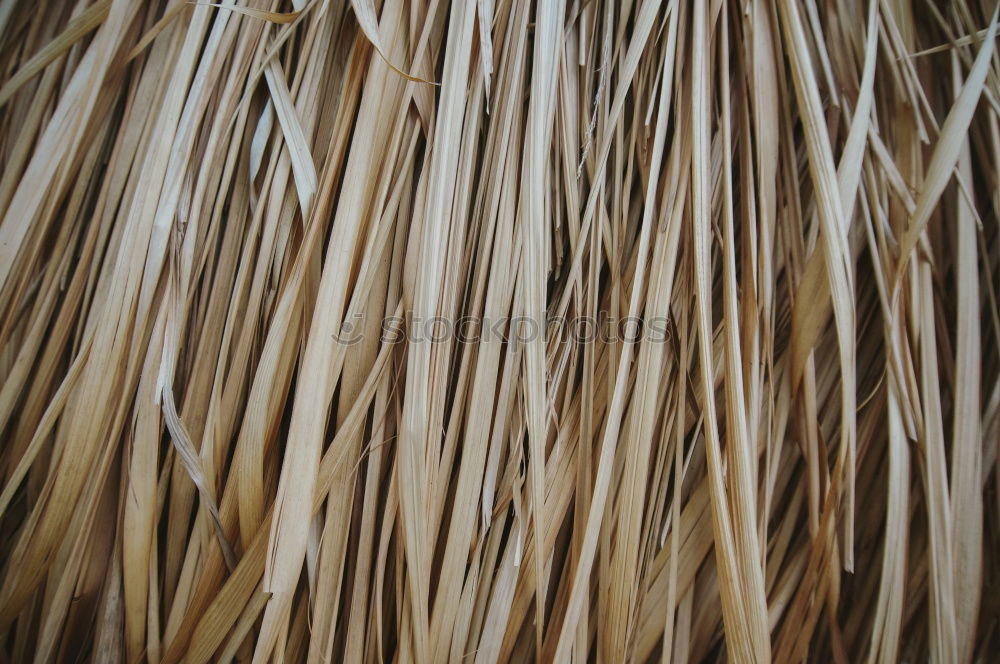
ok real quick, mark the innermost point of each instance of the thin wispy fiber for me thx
(499, 331)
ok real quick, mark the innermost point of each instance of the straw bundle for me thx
(566, 330)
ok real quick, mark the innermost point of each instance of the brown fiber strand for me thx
(499, 331)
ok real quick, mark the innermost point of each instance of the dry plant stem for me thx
(558, 331)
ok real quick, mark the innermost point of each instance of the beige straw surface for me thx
(429, 331)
